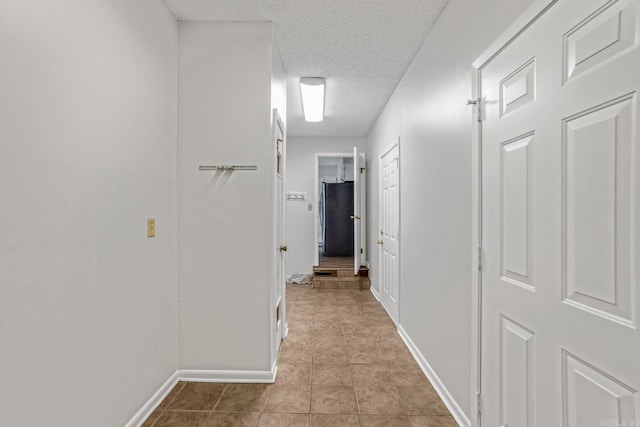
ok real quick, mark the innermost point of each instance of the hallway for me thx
(342, 364)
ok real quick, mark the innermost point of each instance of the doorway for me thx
(335, 207)
(338, 222)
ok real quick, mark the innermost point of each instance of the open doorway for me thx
(335, 211)
(339, 217)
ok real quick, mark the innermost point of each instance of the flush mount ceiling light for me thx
(312, 89)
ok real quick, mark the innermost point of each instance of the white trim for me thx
(147, 409)
(316, 197)
(476, 232)
(374, 292)
(437, 384)
(524, 21)
(210, 376)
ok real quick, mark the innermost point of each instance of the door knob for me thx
(355, 217)
(283, 248)
(380, 242)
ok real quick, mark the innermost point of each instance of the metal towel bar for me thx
(228, 168)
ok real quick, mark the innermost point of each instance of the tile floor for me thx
(342, 364)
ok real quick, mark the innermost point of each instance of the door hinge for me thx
(361, 250)
(479, 403)
(480, 259)
(477, 103)
(362, 170)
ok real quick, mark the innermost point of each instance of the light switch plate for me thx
(151, 227)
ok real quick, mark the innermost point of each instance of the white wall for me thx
(88, 322)
(428, 112)
(225, 218)
(300, 177)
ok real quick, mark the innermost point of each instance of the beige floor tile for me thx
(394, 355)
(422, 401)
(324, 374)
(389, 340)
(371, 374)
(325, 327)
(364, 354)
(303, 316)
(301, 328)
(182, 419)
(384, 421)
(379, 400)
(381, 327)
(283, 420)
(323, 340)
(330, 354)
(293, 399)
(328, 420)
(302, 340)
(152, 418)
(226, 419)
(357, 329)
(362, 340)
(242, 398)
(332, 399)
(407, 375)
(433, 421)
(327, 333)
(292, 373)
(197, 396)
(172, 394)
(295, 353)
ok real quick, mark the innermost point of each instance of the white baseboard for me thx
(155, 400)
(228, 376)
(375, 293)
(437, 384)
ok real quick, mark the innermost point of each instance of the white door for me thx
(357, 214)
(389, 218)
(361, 172)
(279, 288)
(560, 219)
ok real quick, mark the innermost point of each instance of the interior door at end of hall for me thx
(357, 194)
(362, 188)
(560, 220)
(389, 245)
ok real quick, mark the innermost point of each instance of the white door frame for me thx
(537, 9)
(395, 143)
(316, 198)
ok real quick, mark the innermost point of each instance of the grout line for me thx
(220, 397)
(159, 416)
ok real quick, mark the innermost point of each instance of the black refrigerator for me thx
(338, 225)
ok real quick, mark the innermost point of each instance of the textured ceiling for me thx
(362, 47)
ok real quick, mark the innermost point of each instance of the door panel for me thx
(389, 243)
(517, 374)
(560, 220)
(357, 194)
